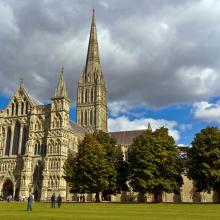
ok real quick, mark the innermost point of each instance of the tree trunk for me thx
(157, 197)
(142, 197)
(97, 197)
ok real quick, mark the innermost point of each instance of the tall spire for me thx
(61, 90)
(93, 59)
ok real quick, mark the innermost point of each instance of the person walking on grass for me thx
(29, 205)
(53, 199)
(59, 201)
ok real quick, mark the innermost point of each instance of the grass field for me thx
(91, 211)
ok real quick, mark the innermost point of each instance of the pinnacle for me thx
(61, 90)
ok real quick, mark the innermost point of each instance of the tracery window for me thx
(16, 109)
(8, 142)
(86, 96)
(92, 95)
(27, 107)
(16, 138)
(22, 108)
(85, 117)
(82, 121)
(91, 117)
(12, 109)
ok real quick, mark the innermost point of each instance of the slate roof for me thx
(77, 128)
(125, 138)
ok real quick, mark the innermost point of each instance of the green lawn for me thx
(91, 211)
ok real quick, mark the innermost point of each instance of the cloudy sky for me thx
(161, 58)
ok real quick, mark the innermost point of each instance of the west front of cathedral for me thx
(35, 139)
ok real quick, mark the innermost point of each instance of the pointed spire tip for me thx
(21, 81)
(62, 70)
(61, 90)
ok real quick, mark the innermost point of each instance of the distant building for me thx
(35, 139)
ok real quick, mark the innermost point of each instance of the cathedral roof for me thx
(76, 128)
(125, 138)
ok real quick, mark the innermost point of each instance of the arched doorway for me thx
(38, 180)
(36, 194)
(8, 189)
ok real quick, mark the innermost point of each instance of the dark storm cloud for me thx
(153, 52)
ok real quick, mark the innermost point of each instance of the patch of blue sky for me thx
(3, 101)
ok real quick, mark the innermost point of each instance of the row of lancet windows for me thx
(54, 182)
(14, 145)
(39, 149)
(88, 95)
(54, 147)
(18, 108)
(88, 117)
(6, 166)
(54, 164)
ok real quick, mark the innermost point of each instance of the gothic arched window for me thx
(16, 109)
(22, 108)
(36, 149)
(24, 140)
(8, 142)
(91, 117)
(85, 117)
(82, 97)
(12, 109)
(86, 96)
(92, 95)
(82, 121)
(27, 107)
(16, 138)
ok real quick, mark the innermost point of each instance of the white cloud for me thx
(196, 79)
(7, 21)
(149, 55)
(185, 127)
(206, 111)
(124, 123)
(117, 108)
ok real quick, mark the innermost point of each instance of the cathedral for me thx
(35, 139)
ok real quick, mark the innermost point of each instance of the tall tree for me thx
(204, 160)
(155, 166)
(97, 167)
(90, 168)
(120, 173)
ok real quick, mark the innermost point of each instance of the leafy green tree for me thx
(69, 167)
(97, 167)
(204, 160)
(90, 169)
(155, 166)
(119, 167)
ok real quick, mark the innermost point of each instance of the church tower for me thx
(91, 92)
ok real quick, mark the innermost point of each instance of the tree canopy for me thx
(97, 167)
(204, 160)
(155, 165)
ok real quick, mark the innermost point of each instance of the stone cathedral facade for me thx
(35, 139)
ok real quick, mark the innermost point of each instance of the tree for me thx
(204, 160)
(90, 169)
(155, 166)
(97, 167)
(120, 173)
